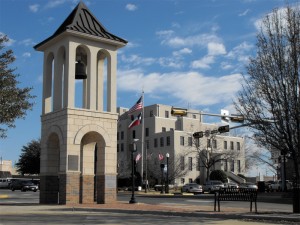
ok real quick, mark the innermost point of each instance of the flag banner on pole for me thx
(160, 156)
(138, 105)
(138, 156)
(136, 121)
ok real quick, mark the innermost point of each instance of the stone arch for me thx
(89, 128)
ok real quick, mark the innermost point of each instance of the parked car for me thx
(192, 188)
(231, 185)
(276, 186)
(23, 185)
(212, 186)
(248, 185)
(5, 182)
(158, 187)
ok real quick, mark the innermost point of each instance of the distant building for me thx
(6, 168)
(164, 133)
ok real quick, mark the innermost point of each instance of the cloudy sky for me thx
(184, 53)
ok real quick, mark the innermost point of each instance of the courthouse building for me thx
(168, 135)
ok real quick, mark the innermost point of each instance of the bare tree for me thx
(272, 86)
(210, 153)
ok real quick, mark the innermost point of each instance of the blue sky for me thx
(184, 53)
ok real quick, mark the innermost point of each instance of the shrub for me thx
(218, 175)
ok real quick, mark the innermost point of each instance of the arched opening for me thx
(91, 165)
(104, 72)
(49, 185)
(81, 84)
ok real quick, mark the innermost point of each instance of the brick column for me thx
(69, 185)
(106, 189)
(87, 189)
(49, 190)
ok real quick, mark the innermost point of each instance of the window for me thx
(151, 113)
(182, 180)
(163, 129)
(190, 164)
(117, 147)
(182, 140)
(122, 147)
(190, 141)
(147, 132)
(133, 134)
(167, 114)
(232, 166)
(225, 165)
(231, 145)
(197, 142)
(118, 136)
(168, 140)
(239, 166)
(155, 143)
(194, 116)
(208, 143)
(225, 144)
(198, 164)
(238, 146)
(147, 144)
(122, 135)
(182, 162)
(161, 142)
(190, 180)
(214, 143)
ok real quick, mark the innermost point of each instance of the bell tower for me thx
(79, 119)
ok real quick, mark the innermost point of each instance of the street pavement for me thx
(122, 212)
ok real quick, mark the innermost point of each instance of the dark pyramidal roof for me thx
(82, 20)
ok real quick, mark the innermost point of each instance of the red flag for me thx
(138, 156)
(138, 105)
(136, 121)
(160, 156)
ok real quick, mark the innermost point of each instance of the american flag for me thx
(160, 156)
(138, 105)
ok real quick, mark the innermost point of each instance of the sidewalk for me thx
(149, 209)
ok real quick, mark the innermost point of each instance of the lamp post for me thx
(162, 166)
(132, 200)
(167, 184)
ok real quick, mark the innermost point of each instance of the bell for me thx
(80, 71)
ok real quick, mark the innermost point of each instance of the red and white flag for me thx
(138, 157)
(160, 156)
(137, 106)
(136, 121)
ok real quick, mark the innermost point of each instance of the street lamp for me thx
(133, 149)
(162, 166)
(167, 184)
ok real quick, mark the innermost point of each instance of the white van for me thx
(5, 182)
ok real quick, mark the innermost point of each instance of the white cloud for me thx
(184, 51)
(245, 12)
(34, 8)
(203, 63)
(196, 40)
(216, 48)
(55, 3)
(26, 54)
(137, 60)
(27, 42)
(131, 7)
(240, 52)
(191, 87)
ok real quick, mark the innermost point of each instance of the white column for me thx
(112, 82)
(57, 91)
(92, 84)
(69, 78)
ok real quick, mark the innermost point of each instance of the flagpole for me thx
(143, 125)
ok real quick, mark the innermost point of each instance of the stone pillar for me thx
(48, 189)
(69, 184)
(106, 189)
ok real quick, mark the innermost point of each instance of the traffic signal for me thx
(178, 112)
(223, 129)
(237, 118)
(198, 134)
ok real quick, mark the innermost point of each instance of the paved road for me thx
(23, 208)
